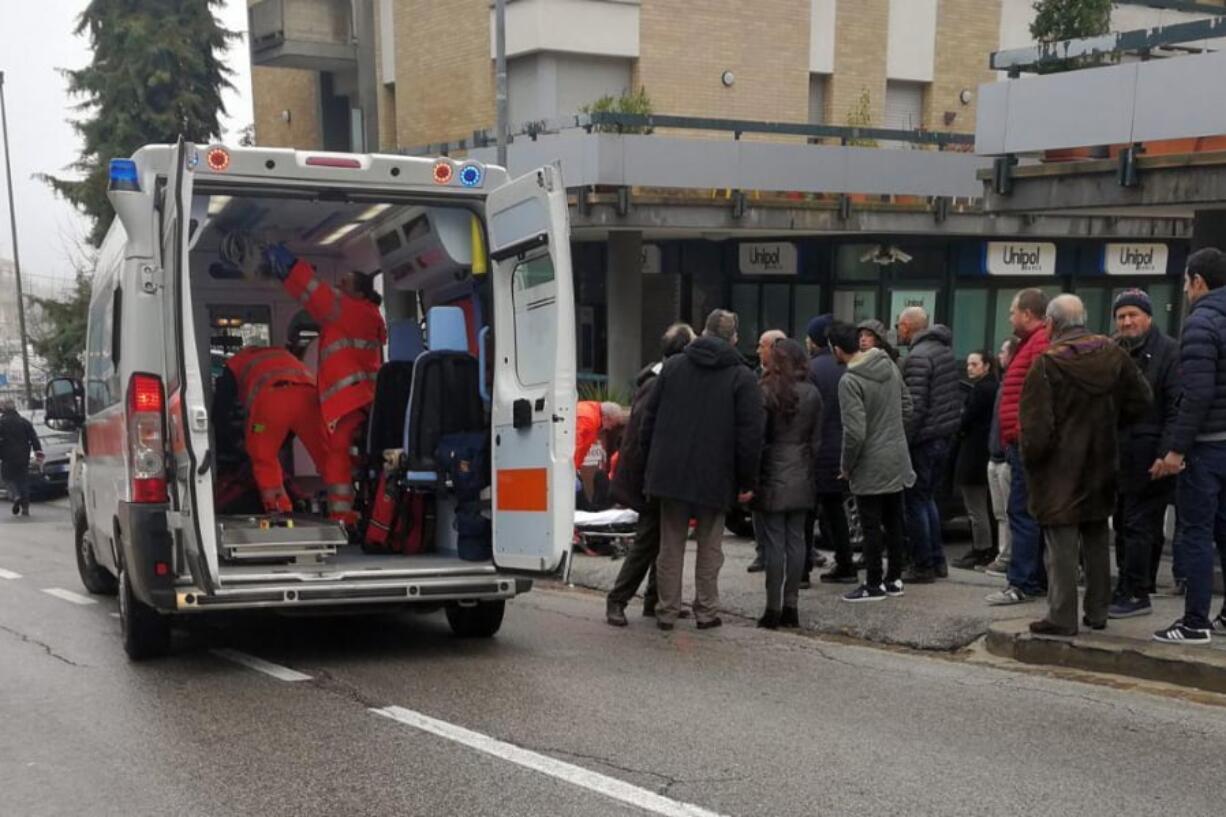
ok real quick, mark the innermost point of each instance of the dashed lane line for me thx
(68, 595)
(610, 787)
(9, 574)
(260, 665)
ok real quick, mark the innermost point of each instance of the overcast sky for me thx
(36, 39)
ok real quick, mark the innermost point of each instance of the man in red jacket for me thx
(1027, 577)
(352, 334)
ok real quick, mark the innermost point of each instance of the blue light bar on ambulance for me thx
(471, 175)
(123, 176)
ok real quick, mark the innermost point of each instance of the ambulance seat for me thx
(445, 396)
(404, 341)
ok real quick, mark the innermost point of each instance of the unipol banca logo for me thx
(1020, 258)
(1135, 259)
(768, 259)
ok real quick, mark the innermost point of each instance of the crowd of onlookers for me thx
(1052, 441)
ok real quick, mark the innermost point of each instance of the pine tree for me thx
(156, 75)
(57, 330)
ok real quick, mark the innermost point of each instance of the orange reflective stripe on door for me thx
(523, 489)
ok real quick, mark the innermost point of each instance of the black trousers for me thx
(640, 562)
(833, 518)
(1139, 537)
(878, 511)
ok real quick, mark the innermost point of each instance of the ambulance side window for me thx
(533, 295)
(99, 368)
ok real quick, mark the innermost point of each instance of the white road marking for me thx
(568, 772)
(114, 615)
(68, 595)
(260, 665)
(8, 574)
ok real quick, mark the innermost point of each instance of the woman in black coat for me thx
(971, 468)
(787, 485)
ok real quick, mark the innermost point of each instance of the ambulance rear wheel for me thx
(481, 620)
(146, 633)
(96, 578)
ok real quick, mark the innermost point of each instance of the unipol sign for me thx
(775, 258)
(1020, 258)
(1135, 259)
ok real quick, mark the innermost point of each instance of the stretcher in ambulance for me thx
(475, 277)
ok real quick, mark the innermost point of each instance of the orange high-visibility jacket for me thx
(588, 422)
(255, 367)
(351, 338)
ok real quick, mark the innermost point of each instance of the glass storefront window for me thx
(745, 305)
(970, 321)
(776, 307)
(806, 304)
(849, 267)
(855, 305)
(1097, 309)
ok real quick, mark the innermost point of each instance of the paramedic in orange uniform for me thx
(591, 420)
(278, 395)
(351, 338)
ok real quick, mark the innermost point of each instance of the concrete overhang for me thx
(1168, 187)
(678, 215)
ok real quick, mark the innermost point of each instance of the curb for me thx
(1197, 667)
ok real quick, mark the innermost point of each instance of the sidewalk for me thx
(951, 615)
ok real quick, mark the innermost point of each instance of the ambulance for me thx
(475, 272)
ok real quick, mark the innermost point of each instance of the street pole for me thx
(21, 306)
(500, 73)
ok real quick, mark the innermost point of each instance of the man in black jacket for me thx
(628, 491)
(17, 440)
(1198, 442)
(932, 375)
(1141, 508)
(702, 439)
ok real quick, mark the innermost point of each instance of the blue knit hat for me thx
(1133, 297)
(818, 327)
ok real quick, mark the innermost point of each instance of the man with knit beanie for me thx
(1141, 508)
(825, 372)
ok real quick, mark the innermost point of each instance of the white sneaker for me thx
(1003, 598)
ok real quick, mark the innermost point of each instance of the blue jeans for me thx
(1201, 501)
(1026, 571)
(923, 520)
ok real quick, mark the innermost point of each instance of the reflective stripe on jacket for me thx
(351, 338)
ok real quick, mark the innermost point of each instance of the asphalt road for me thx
(559, 715)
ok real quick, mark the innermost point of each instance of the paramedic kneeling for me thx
(352, 334)
(278, 396)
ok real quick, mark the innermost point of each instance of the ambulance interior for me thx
(430, 265)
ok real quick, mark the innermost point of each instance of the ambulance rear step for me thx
(302, 540)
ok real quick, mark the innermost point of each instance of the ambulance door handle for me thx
(200, 419)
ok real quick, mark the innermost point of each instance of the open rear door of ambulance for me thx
(191, 488)
(534, 376)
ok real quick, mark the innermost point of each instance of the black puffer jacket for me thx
(825, 372)
(702, 427)
(1202, 369)
(971, 467)
(789, 455)
(931, 373)
(1157, 356)
(627, 487)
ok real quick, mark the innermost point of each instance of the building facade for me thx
(400, 75)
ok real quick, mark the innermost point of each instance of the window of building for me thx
(818, 83)
(904, 105)
(970, 321)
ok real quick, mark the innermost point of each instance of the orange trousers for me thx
(338, 467)
(279, 411)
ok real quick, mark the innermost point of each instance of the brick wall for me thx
(684, 48)
(861, 32)
(285, 89)
(444, 74)
(967, 33)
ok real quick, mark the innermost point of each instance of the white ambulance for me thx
(474, 267)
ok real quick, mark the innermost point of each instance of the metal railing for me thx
(647, 123)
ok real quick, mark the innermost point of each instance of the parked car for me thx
(48, 479)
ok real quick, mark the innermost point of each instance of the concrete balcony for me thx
(316, 35)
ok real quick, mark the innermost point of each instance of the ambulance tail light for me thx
(146, 438)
